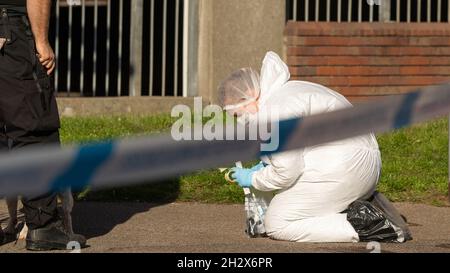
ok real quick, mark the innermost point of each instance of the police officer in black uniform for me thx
(28, 111)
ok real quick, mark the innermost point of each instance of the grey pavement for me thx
(193, 227)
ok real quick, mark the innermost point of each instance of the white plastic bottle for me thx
(255, 209)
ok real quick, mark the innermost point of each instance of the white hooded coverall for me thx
(314, 185)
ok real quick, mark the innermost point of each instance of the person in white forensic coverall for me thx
(313, 185)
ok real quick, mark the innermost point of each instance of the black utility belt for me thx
(15, 11)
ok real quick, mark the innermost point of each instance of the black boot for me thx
(6, 238)
(2, 236)
(11, 237)
(52, 237)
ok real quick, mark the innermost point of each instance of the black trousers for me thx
(28, 110)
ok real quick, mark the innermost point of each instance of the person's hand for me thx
(46, 56)
(242, 176)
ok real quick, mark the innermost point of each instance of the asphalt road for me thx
(191, 227)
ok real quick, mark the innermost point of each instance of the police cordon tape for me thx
(127, 162)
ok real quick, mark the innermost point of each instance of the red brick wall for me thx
(369, 60)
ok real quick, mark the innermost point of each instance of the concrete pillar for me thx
(235, 34)
(136, 48)
(385, 11)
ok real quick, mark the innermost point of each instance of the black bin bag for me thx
(376, 219)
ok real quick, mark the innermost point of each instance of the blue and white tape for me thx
(143, 160)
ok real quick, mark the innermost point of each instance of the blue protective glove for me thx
(242, 176)
(258, 166)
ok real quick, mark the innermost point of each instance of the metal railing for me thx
(123, 47)
(332, 10)
(368, 10)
